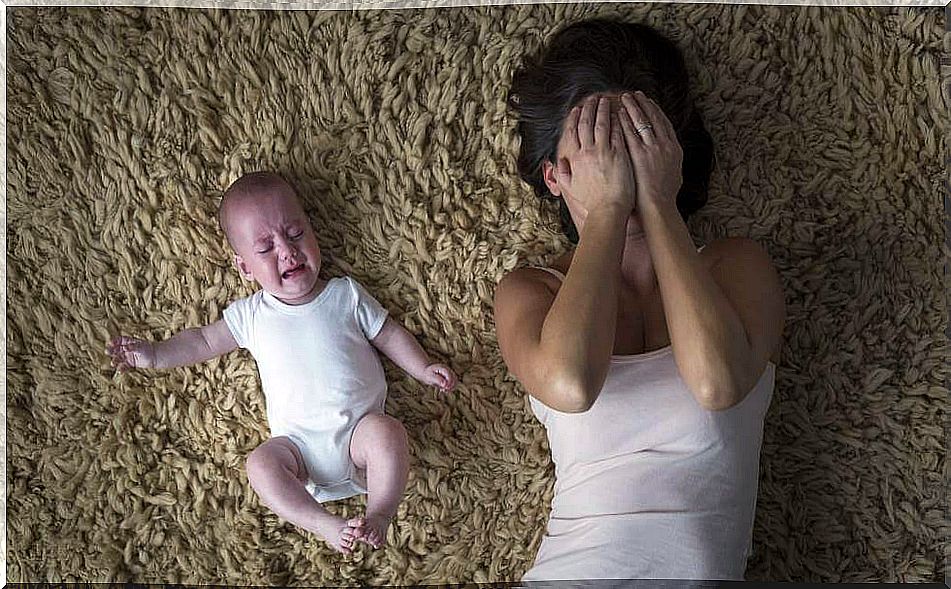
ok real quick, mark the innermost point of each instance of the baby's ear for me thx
(242, 267)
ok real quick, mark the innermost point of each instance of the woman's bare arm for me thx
(723, 324)
(721, 337)
(559, 346)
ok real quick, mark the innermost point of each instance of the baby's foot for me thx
(371, 529)
(339, 534)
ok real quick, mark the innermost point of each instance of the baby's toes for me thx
(358, 526)
(375, 538)
(357, 522)
(346, 542)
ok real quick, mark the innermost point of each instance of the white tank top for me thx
(648, 484)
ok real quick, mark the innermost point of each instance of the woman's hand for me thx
(594, 168)
(128, 353)
(654, 151)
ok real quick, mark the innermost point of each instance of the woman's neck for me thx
(637, 268)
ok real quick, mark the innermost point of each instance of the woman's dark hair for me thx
(596, 56)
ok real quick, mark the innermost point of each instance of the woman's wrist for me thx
(653, 208)
(618, 208)
(610, 214)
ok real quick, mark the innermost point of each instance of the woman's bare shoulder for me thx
(530, 278)
(742, 266)
(731, 249)
(527, 280)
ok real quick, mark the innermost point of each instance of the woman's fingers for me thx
(586, 123)
(630, 136)
(602, 124)
(618, 141)
(563, 171)
(643, 127)
(571, 129)
(663, 129)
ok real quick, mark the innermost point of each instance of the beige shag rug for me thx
(125, 124)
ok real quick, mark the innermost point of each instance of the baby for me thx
(313, 341)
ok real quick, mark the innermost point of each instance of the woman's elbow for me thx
(578, 403)
(719, 397)
(720, 388)
(573, 394)
(712, 402)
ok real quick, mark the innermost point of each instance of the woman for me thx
(650, 363)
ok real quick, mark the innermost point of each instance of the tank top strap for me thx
(551, 271)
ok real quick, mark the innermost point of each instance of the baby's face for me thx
(276, 246)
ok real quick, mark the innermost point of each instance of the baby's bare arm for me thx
(401, 347)
(191, 346)
(195, 345)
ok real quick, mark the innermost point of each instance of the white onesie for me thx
(319, 372)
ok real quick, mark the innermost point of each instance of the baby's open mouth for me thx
(295, 270)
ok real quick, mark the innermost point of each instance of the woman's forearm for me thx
(578, 332)
(710, 345)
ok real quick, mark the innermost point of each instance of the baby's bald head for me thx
(248, 188)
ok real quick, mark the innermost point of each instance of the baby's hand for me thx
(440, 376)
(128, 353)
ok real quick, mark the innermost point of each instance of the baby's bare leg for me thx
(277, 473)
(379, 446)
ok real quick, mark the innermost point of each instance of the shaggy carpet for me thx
(124, 125)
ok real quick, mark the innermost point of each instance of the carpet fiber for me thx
(125, 124)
